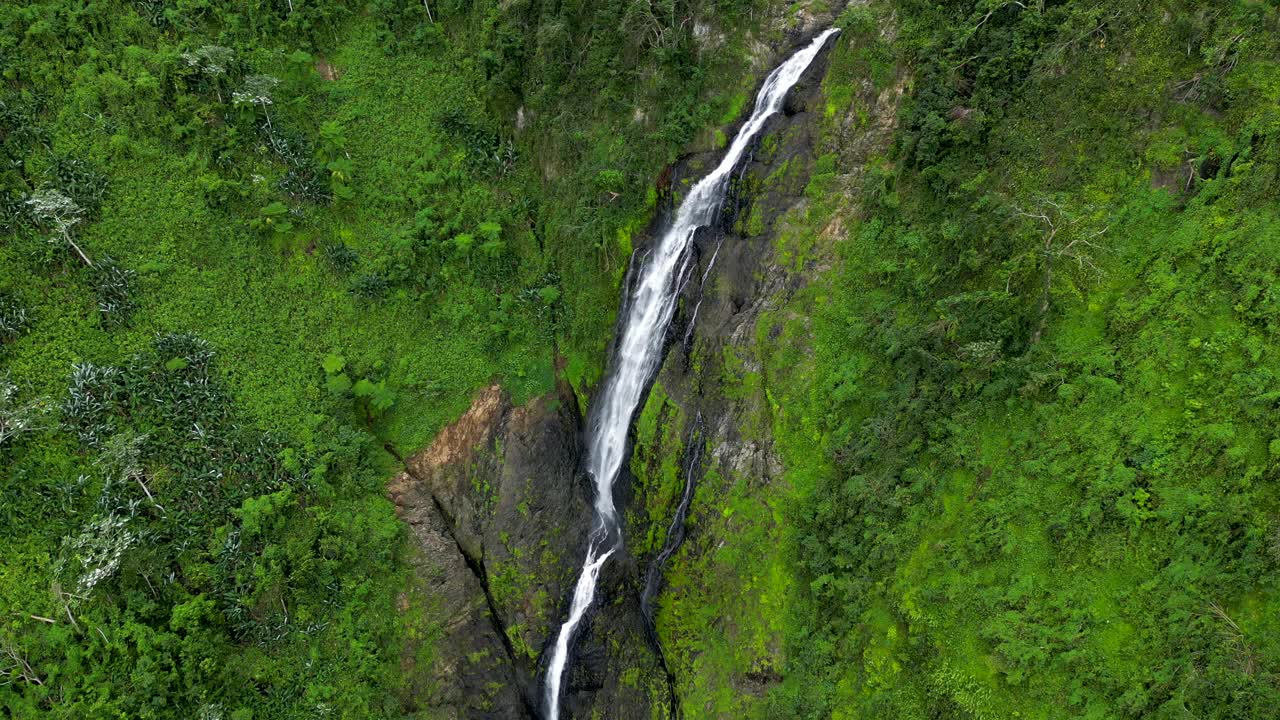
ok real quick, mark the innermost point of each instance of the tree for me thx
(122, 459)
(257, 90)
(96, 553)
(1063, 236)
(60, 213)
(213, 62)
(12, 662)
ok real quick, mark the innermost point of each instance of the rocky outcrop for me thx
(495, 514)
(499, 508)
(473, 676)
(499, 515)
(731, 313)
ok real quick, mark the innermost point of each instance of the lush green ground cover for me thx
(1027, 417)
(1043, 379)
(329, 224)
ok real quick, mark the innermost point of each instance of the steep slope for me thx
(365, 212)
(616, 668)
(968, 409)
(722, 612)
(1032, 432)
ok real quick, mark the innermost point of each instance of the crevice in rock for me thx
(476, 566)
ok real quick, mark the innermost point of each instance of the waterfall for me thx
(639, 350)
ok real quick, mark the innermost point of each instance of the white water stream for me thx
(639, 350)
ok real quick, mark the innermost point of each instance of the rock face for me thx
(731, 313)
(493, 507)
(500, 516)
(474, 678)
(500, 510)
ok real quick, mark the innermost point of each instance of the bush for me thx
(95, 394)
(80, 181)
(13, 318)
(340, 257)
(17, 418)
(369, 286)
(113, 286)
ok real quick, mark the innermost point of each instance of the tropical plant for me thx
(14, 318)
(113, 286)
(61, 215)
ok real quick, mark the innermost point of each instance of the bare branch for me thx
(1080, 247)
(9, 652)
(54, 209)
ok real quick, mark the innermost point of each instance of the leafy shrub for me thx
(339, 256)
(177, 383)
(340, 171)
(113, 286)
(486, 149)
(375, 397)
(195, 353)
(369, 286)
(303, 179)
(95, 554)
(372, 398)
(14, 214)
(80, 181)
(13, 318)
(95, 395)
(17, 418)
(307, 183)
(19, 120)
(213, 64)
(275, 217)
(153, 11)
(405, 26)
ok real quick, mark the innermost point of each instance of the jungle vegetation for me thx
(1044, 375)
(1027, 412)
(245, 248)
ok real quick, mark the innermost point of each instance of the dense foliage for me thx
(1027, 410)
(248, 246)
(1043, 378)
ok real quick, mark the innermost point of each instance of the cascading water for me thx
(652, 303)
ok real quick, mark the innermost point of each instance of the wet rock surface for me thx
(496, 515)
(499, 514)
(498, 505)
(741, 276)
(473, 677)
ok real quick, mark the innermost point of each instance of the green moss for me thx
(656, 465)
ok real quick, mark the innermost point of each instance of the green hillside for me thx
(1019, 375)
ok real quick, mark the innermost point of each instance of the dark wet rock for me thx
(500, 510)
(495, 497)
(473, 678)
(739, 278)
